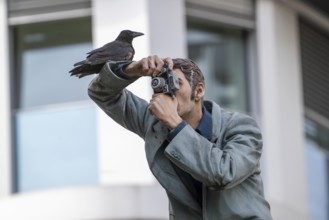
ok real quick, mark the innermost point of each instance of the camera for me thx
(166, 82)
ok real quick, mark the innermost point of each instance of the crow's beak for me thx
(137, 34)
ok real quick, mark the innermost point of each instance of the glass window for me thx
(220, 53)
(45, 54)
(56, 148)
(317, 165)
(55, 145)
(314, 44)
(51, 82)
(317, 134)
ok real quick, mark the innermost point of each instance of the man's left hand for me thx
(164, 108)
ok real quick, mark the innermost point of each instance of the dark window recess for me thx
(315, 71)
(18, 8)
(315, 68)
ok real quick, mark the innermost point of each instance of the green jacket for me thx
(228, 166)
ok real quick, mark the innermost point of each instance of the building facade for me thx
(61, 157)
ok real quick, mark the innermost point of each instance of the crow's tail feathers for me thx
(85, 69)
(81, 71)
(82, 62)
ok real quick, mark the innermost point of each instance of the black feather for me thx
(121, 49)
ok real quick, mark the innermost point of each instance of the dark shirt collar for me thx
(205, 126)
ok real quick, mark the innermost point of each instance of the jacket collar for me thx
(215, 111)
(205, 125)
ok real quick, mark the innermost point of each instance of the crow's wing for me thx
(100, 49)
(115, 51)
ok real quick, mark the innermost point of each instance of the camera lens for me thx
(158, 83)
(155, 82)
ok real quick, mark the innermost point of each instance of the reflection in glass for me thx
(44, 55)
(220, 54)
(317, 165)
(56, 148)
(55, 145)
(45, 78)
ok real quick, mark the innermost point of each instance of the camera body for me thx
(166, 82)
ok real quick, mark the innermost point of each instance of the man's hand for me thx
(148, 66)
(164, 108)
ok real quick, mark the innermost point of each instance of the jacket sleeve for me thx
(109, 92)
(233, 158)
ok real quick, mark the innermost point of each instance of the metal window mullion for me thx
(239, 13)
(243, 7)
(33, 11)
(32, 4)
(28, 19)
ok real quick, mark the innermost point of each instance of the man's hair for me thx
(191, 72)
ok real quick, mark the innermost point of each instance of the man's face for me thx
(186, 105)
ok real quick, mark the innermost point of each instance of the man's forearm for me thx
(107, 85)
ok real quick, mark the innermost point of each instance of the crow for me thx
(121, 49)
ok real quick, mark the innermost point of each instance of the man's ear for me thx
(199, 92)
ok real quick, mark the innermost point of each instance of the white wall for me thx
(122, 157)
(121, 153)
(89, 202)
(282, 109)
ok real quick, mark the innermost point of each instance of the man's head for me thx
(191, 72)
(191, 91)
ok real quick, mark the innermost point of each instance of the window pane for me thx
(220, 53)
(55, 145)
(317, 133)
(46, 53)
(51, 83)
(317, 180)
(56, 148)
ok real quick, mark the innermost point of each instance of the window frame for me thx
(14, 21)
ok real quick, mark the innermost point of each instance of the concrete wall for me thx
(281, 109)
(122, 158)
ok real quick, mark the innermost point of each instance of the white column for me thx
(5, 128)
(282, 110)
(122, 156)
